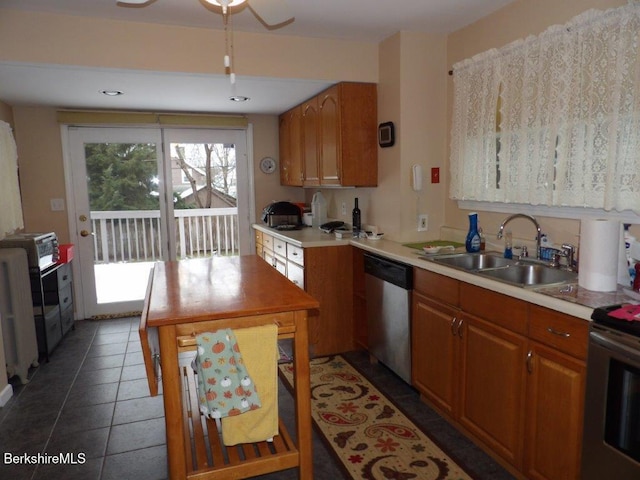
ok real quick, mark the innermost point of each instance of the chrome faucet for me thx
(528, 217)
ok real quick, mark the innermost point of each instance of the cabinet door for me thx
(493, 386)
(555, 406)
(330, 141)
(310, 143)
(434, 351)
(360, 326)
(291, 147)
(295, 273)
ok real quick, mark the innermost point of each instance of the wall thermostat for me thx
(386, 134)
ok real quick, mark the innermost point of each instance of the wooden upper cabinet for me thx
(338, 137)
(330, 152)
(310, 143)
(291, 147)
(357, 134)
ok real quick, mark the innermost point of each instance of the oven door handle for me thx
(609, 343)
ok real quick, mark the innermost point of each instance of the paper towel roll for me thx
(599, 246)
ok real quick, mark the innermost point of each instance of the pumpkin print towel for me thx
(224, 385)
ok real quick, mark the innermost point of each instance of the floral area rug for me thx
(372, 438)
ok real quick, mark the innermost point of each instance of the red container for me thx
(65, 253)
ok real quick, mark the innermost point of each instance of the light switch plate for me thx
(57, 204)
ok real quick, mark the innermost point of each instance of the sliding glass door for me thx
(142, 195)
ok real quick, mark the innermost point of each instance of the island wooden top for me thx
(212, 288)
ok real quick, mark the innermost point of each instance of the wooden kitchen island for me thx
(188, 297)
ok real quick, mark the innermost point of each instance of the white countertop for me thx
(545, 297)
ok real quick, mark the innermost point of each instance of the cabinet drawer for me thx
(267, 241)
(295, 254)
(66, 319)
(258, 234)
(66, 297)
(295, 273)
(48, 329)
(563, 332)
(508, 312)
(268, 257)
(434, 285)
(280, 247)
(280, 264)
(64, 275)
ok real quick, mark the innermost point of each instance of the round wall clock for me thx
(268, 165)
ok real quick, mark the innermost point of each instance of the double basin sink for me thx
(521, 273)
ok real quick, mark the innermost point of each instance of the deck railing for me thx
(136, 236)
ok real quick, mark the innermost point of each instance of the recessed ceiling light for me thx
(239, 98)
(112, 93)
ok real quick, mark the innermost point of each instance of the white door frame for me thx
(248, 214)
(77, 194)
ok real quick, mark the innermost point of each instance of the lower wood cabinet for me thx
(321, 272)
(555, 404)
(510, 374)
(360, 327)
(492, 389)
(435, 351)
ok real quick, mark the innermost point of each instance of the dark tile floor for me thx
(92, 401)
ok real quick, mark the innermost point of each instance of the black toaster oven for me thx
(282, 215)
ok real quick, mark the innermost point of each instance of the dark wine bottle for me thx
(355, 217)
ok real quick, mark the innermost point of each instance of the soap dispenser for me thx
(472, 242)
(508, 245)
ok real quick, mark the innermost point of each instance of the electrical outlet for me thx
(344, 208)
(423, 222)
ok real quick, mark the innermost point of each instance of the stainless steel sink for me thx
(530, 275)
(473, 261)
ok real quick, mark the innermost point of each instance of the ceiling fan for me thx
(272, 13)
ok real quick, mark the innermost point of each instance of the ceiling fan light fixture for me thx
(112, 93)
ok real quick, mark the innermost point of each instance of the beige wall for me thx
(515, 21)
(105, 43)
(6, 113)
(39, 145)
(411, 90)
(42, 176)
(80, 41)
(414, 92)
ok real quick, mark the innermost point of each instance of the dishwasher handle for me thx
(390, 271)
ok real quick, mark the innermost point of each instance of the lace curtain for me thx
(553, 119)
(11, 210)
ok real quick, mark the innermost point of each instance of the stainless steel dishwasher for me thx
(388, 286)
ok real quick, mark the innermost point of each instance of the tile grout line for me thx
(73, 382)
(115, 404)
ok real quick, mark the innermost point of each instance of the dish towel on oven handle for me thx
(225, 387)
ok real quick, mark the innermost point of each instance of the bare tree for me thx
(218, 166)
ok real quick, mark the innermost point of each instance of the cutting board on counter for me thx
(433, 243)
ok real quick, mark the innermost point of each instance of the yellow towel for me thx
(259, 347)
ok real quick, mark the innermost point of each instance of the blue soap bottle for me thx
(508, 245)
(472, 242)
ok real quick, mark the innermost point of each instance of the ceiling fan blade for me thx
(273, 13)
(133, 3)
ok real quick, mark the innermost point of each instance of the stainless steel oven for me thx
(611, 442)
